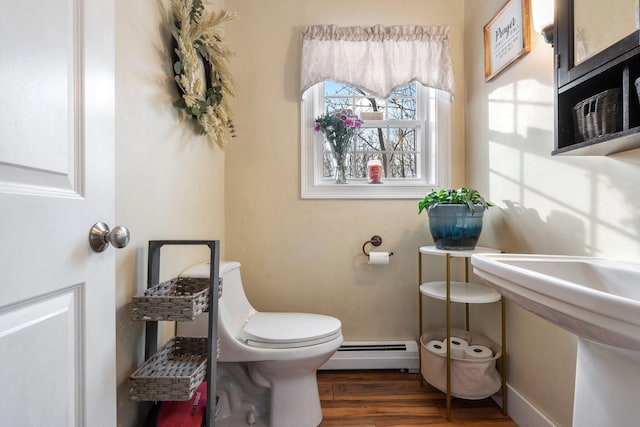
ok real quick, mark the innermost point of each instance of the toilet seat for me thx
(289, 330)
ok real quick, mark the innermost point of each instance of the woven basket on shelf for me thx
(172, 373)
(179, 299)
(597, 115)
(470, 378)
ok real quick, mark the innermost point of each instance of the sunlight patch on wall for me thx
(515, 106)
(608, 196)
(618, 227)
(540, 175)
(574, 205)
(524, 178)
(502, 109)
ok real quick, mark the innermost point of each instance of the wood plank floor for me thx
(398, 399)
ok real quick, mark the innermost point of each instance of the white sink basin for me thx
(596, 299)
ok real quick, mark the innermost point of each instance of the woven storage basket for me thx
(597, 115)
(470, 378)
(173, 372)
(179, 299)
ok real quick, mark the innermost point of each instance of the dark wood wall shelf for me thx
(615, 67)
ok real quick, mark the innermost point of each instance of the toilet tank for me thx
(233, 307)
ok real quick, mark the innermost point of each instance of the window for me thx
(408, 132)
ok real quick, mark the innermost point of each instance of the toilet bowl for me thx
(281, 351)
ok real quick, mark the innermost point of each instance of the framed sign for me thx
(507, 37)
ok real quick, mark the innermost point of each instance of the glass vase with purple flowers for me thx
(339, 128)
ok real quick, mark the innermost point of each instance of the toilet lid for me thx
(286, 330)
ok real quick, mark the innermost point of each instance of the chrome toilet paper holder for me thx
(374, 241)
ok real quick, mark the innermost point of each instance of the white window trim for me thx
(311, 187)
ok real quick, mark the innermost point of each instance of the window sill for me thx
(361, 189)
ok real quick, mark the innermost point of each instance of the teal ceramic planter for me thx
(455, 227)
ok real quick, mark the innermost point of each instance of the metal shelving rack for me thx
(151, 332)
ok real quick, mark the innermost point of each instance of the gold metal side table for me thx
(461, 292)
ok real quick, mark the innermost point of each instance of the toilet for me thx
(281, 352)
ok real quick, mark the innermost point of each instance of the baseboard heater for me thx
(375, 355)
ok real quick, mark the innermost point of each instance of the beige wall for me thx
(555, 205)
(169, 179)
(306, 254)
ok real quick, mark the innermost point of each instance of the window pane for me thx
(333, 89)
(328, 164)
(403, 139)
(407, 90)
(333, 104)
(337, 96)
(397, 147)
(370, 105)
(406, 138)
(402, 165)
(370, 139)
(401, 108)
(360, 165)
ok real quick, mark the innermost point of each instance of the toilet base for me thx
(263, 394)
(303, 410)
(295, 401)
(241, 402)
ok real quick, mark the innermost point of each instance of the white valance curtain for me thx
(377, 59)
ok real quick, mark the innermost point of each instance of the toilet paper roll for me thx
(458, 346)
(378, 257)
(437, 347)
(477, 352)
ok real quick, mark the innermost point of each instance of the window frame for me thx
(436, 151)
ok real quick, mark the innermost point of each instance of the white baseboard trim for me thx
(522, 411)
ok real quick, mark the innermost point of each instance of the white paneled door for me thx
(57, 296)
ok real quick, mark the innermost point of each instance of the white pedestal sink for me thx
(596, 299)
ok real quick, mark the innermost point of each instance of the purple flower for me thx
(338, 127)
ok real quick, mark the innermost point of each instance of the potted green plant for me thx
(455, 217)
